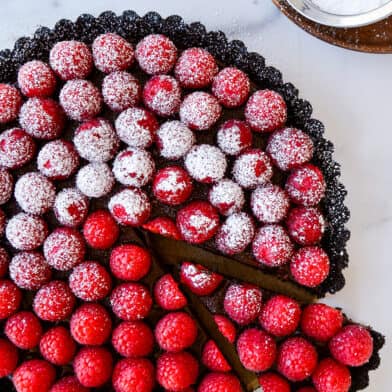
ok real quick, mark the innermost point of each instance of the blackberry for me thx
(129, 23)
(216, 44)
(155, 21)
(288, 91)
(256, 63)
(27, 49)
(196, 35)
(360, 379)
(109, 22)
(313, 127)
(270, 77)
(334, 283)
(7, 66)
(238, 54)
(175, 27)
(301, 111)
(65, 30)
(87, 28)
(46, 36)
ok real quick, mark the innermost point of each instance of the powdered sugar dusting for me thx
(71, 207)
(10, 102)
(234, 136)
(95, 180)
(227, 196)
(6, 185)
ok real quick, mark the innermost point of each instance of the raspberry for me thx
(6, 185)
(93, 366)
(280, 316)
(4, 262)
(42, 118)
(234, 137)
(54, 301)
(220, 382)
(57, 346)
(68, 384)
(271, 382)
(131, 301)
(133, 339)
(256, 350)
(24, 330)
(352, 345)
(29, 270)
(10, 103)
(163, 226)
(2, 223)
(331, 376)
(156, 54)
(95, 180)
(272, 246)
(172, 185)
(297, 359)
(227, 196)
(10, 298)
(8, 358)
(321, 322)
(242, 303)
(168, 295)
(71, 60)
(112, 53)
(36, 79)
(100, 230)
(90, 281)
(134, 375)
(177, 371)
(231, 86)
(71, 207)
(34, 375)
(195, 68)
(310, 266)
(266, 111)
(226, 327)
(162, 95)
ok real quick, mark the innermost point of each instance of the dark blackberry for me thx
(288, 91)
(196, 35)
(216, 44)
(27, 49)
(109, 22)
(301, 111)
(270, 77)
(129, 23)
(46, 36)
(7, 66)
(378, 340)
(176, 28)
(88, 28)
(360, 379)
(154, 20)
(256, 64)
(64, 30)
(238, 54)
(314, 128)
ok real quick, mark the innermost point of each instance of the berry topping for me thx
(227, 196)
(234, 136)
(220, 382)
(271, 382)
(10, 103)
(10, 298)
(95, 180)
(331, 376)
(100, 230)
(71, 207)
(163, 226)
(226, 327)
(6, 185)
(4, 262)
(2, 223)
(8, 358)
(34, 375)
(168, 295)
(68, 384)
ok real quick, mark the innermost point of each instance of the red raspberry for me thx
(42, 118)
(71, 207)
(34, 375)
(195, 68)
(256, 350)
(130, 262)
(234, 137)
(36, 79)
(57, 346)
(90, 281)
(168, 295)
(10, 103)
(112, 53)
(156, 54)
(8, 358)
(93, 366)
(24, 330)
(10, 298)
(266, 111)
(297, 359)
(177, 371)
(95, 180)
(272, 246)
(271, 382)
(242, 303)
(164, 226)
(220, 382)
(310, 266)
(4, 262)
(68, 384)
(331, 376)
(71, 60)
(133, 339)
(132, 374)
(227, 196)
(280, 316)
(226, 327)
(162, 95)
(321, 322)
(6, 185)
(54, 301)
(352, 345)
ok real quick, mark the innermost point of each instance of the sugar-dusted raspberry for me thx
(6, 185)
(10, 298)
(231, 86)
(8, 358)
(34, 375)
(80, 99)
(16, 147)
(196, 68)
(10, 103)
(198, 222)
(57, 346)
(136, 127)
(164, 226)
(4, 262)
(306, 185)
(134, 167)
(90, 281)
(130, 207)
(321, 322)
(54, 301)
(220, 382)
(331, 376)
(112, 53)
(131, 301)
(71, 60)
(162, 95)
(227, 196)
(93, 366)
(252, 168)
(235, 234)
(256, 350)
(234, 136)
(42, 118)
(243, 303)
(310, 266)
(2, 224)
(168, 295)
(272, 246)
(133, 339)
(121, 90)
(24, 330)
(177, 371)
(95, 180)
(36, 79)
(200, 111)
(71, 207)
(297, 359)
(68, 384)
(29, 270)
(280, 315)
(266, 111)
(26, 232)
(352, 345)
(34, 193)
(271, 382)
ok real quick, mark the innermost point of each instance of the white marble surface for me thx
(350, 92)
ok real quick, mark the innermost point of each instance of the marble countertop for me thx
(350, 93)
